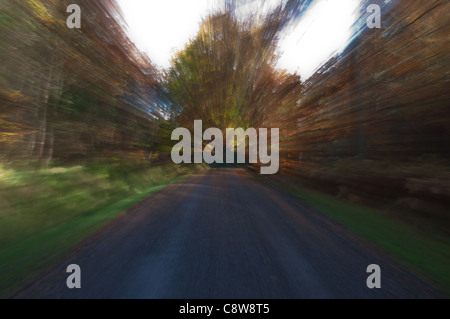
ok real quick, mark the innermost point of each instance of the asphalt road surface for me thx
(221, 234)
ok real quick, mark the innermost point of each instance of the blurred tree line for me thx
(226, 76)
(75, 94)
(372, 124)
(386, 96)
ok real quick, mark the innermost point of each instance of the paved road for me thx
(221, 234)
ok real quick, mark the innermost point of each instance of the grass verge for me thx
(62, 208)
(428, 254)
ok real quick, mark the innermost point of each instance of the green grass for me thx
(429, 255)
(62, 207)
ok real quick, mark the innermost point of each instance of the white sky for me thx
(161, 27)
(322, 32)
